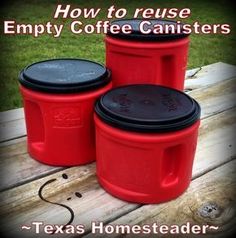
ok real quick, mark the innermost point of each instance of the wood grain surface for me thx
(32, 191)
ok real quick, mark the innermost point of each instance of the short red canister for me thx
(59, 97)
(146, 137)
(138, 58)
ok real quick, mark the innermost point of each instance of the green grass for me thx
(19, 51)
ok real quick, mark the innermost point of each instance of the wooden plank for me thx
(210, 199)
(10, 115)
(213, 100)
(216, 143)
(12, 124)
(209, 75)
(190, 73)
(22, 205)
(12, 129)
(15, 160)
(216, 98)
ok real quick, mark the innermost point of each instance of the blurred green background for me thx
(19, 51)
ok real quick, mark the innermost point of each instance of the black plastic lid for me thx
(64, 75)
(147, 108)
(137, 35)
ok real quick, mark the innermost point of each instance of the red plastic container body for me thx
(137, 62)
(142, 167)
(60, 128)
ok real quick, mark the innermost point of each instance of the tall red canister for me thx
(146, 136)
(138, 58)
(59, 97)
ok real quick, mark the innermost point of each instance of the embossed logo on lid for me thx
(148, 108)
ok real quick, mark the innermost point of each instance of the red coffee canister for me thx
(59, 97)
(138, 58)
(146, 137)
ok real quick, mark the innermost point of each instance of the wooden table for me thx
(76, 196)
